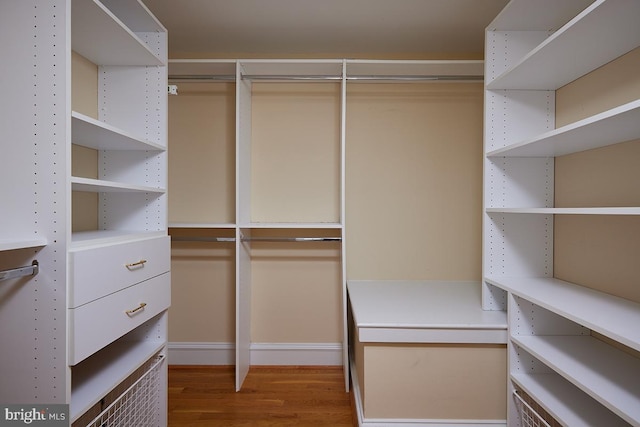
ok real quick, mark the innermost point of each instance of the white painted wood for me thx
(608, 375)
(201, 353)
(293, 225)
(135, 15)
(616, 125)
(400, 68)
(292, 67)
(421, 311)
(10, 245)
(590, 30)
(101, 37)
(97, 324)
(99, 238)
(98, 272)
(565, 402)
(202, 67)
(525, 15)
(612, 316)
(243, 307)
(550, 320)
(567, 211)
(91, 133)
(101, 186)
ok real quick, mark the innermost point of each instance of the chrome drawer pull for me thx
(136, 265)
(137, 309)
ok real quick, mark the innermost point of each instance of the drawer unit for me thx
(97, 272)
(98, 323)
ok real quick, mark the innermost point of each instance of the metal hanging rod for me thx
(211, 77)
(290, 77)
(408, 78)
(417, 77)
(292, 239)
(30, 270)
(202, 239)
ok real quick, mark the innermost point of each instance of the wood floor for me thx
(270, 396)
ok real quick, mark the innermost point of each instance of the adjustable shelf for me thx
(308, 70)
(15, 244)
(579, 304)
(92, 133)
(101, 186)
(610, 127)
(568, 211)
(608, 375)
(588, 31)
(564, 402)
(104, 39)
(380, 70)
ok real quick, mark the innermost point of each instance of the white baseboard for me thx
(213, 353)
(201, 353)
(409, 422)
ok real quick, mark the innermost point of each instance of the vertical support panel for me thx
(36, 109)
(343, 252)
(243, 216)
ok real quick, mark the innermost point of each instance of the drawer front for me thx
(102, 271)
(99, 323)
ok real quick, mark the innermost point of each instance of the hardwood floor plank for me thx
(270, 396)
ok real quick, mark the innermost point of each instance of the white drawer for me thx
(97, 324)
(97, 272)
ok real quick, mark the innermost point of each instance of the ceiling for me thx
(437, 29)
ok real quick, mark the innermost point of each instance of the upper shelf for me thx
(95, 134)
(526, 15)
(15, 244)
(568, 211)
(579, 304)
(365, 70)
(101, 37)
(619, 124)
(607, 29)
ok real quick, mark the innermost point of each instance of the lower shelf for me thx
(99, 374)
(565, 402)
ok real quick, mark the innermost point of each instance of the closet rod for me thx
(290, 77)
(417, 77)
(292, 239)
(202, 239)
(210, 77)
(372, 77)
(30, 270)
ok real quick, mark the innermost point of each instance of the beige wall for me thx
(599, 251)
(202, 153)
(84, 161)
(414, 181)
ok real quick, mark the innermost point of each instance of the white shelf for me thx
(96, 376)
(605, 29)
(85, 239)
(614, 317)
(423, 311)
(299, 68)
(14, 244)
(202, 225)
(101, 186)
(89, 132)
(98, 35)
(619, 124)
(568, 211)
(392, 68)
(608, 375)
(135, 15)
(565, 402)
(293, 225)
(222, 68)
(525, 15)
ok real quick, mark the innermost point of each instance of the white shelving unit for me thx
(246, 73)
(555, 353)
(83, 350)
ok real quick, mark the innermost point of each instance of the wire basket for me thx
(528, 415)
(135, 402)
